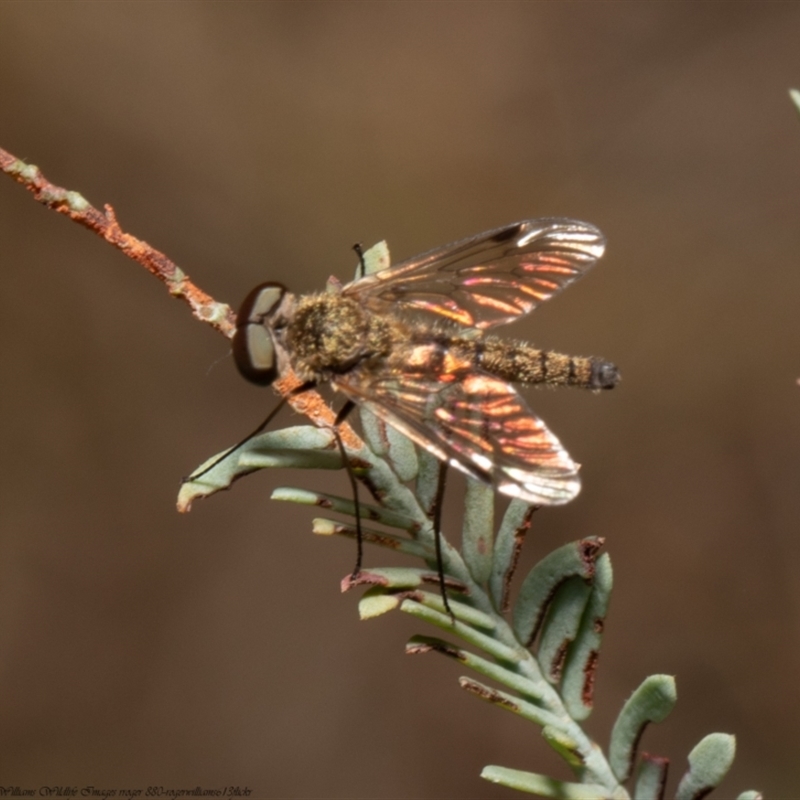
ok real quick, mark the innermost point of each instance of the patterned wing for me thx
(474, 422)
(489, 279)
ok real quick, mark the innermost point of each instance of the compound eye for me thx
(254, 353)
(260, 303)
(253, 347)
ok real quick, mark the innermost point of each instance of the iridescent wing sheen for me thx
(489, 279)
(476, 423)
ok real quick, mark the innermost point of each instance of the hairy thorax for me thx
(330, 334)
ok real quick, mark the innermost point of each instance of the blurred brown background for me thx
(256, 141)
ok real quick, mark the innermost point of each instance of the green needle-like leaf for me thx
(290, 459)
(389, 443)
(561, 626)
(795, 95)
(565, 746)
(539, 586)
(507, 546)
(345, 506)
(400, 544)
(376, 258)
(651, 702)
(478, 532)
(543, 786)
(652, 778)
(299, 437)
(427, 480)
(461, 611)
(509, 702)
(709, 762)
(374, 430)
(402, 455)
(303, 446)
(502, 652)
(527, 688)
(577, 682)
(376, 602)
(396, 578)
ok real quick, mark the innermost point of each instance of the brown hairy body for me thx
(328, 335)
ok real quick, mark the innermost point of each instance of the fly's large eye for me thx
(260, 303)
(254, 353)
(253, 347)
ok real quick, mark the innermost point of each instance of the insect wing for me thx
(489, 279)
(474, 422)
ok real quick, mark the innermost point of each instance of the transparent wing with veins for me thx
(474, 422)
(489, 279)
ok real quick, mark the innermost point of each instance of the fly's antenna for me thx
(361, 265)
(272, 414)
(217, 362)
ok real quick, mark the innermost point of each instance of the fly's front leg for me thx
(272, 414)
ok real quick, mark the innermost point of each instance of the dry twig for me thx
(219, 315)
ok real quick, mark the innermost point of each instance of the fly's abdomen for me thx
(520, 362)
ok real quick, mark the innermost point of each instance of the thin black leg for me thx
(437, 533)
(361, 265)
(272, 414)
(340, 418)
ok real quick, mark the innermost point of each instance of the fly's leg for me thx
(362, 267)
(272, 414)
(437, 509)
(437, 533)
(340, 418)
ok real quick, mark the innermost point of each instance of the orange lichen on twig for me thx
(219, 315)
(77, 208)
(310, 404)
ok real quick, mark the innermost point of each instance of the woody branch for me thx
(204, 307)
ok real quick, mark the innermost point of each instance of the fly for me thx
(411, 344)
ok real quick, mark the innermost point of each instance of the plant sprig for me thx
(543, 648)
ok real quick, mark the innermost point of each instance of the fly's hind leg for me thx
(437, 533)
(340, 418)
(436, 511)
